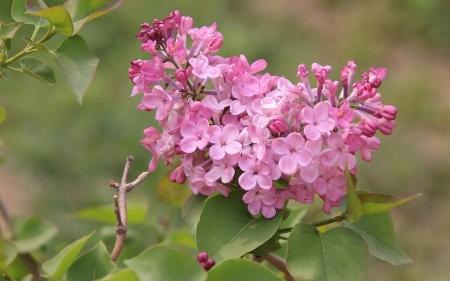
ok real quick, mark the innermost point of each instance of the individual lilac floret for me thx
(233, 127)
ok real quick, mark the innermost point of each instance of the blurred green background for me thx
(58, 155)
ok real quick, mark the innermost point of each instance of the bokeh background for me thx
(58, 156)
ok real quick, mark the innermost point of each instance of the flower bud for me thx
(202, 257)
(186, 23)
(178, 175)
(278, 125)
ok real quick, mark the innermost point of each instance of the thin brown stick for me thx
(120, 207)
(280, 264)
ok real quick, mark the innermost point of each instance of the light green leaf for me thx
(9, 253)
(136, 213)
(336, 255)
(378, 203)
(295, 216)
(93, 265)
(57, 267)
(77, 64)
(58, 17)
(9, 30)
(191, 203)
(82, 11)
(241, 270)
(19, 12)
(227, 230)
(378, 232)
(161, 263)
(181, 238)
(17, 269)
(122, 275)
(32, 233)
(2, 114)
(354, 207)
(38, 69)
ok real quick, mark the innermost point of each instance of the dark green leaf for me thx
(38, 69)
(92, 265)
(32, 233)
(378, 203)
(122, 275)
(270, 246)
(77, 64)
(58, 266)
(338, 254)
(2, 114)
(17, 269)
(9, 30)
(18, 12)
(227, 230)
(161, 263)
(191, 203)
(241, 270)
(378, 232)
(82, 11)
(354, 207)
(136, 213)
(58, 17)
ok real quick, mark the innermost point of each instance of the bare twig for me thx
(280, 264)
(120, 207)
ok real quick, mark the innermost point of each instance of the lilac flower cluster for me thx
(234, 128)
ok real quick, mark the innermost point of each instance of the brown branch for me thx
(120, 207)
(280, 264)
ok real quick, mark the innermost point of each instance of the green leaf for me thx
(9, 30)
(38, 69)
(227, 230)
(354, 207)
(270, 246)
(378, 203)
(32, 233)
(58, 17)
(136, 213)
(82, 11)
(57, 267)
(338, 254)
(122, 275)
(191, 203)
(295, 216)
(77, 64)
(241, 270)
(17, 269)
(93, 265)
(9, 253)
(161, 263)
(378, 232)
(2, 114)
(19, 13)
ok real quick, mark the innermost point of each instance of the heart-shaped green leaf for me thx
(82, 11)
(241, 270)
(192, 202)
(77, 64)
(93, 265)
(379, 203)
(122, 275)
(19, 12)
(227, 230)
(9, 30)
(32, 233)
(336, 255)
(38, 69)
(57, 267)
(354, 207)
(161, 263)
(58, 17)
(378, 232)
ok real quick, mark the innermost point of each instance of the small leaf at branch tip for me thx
(379, 203)
(354, 207)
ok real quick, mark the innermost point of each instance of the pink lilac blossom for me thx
(236, 127)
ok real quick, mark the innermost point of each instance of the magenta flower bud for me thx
(202, 257)
(302, 72)
(135, 69)
(178, 175)
(186, 23)
(209, 264)
(388, 112)
(278, 125)
(386, 126)
(215, 44)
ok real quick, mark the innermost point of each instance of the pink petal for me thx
(202, 125)
(151, 102)
(347, 158)
(308, 114)
(249, 197)
(326, 125)
(233, 147)
(334, 194)
(247, 162)
(280, 146)
(311, 132)
(335, 141)
(268, 198)
(215, 134)
(247, 180)
(230, 132)
(228, 175)
(321, 111)
(189, 129)
(264, 181)
(303, 156)
(188, 145)
(216, 151)
(295, 140)
(309, 173)
(329, 157)
(215, 173)
(268, 212)
(236, 107)
(254, 207)
(288, 164)
(320, 186)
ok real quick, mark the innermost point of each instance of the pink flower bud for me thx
(178, 175)
(302, 72)
(209, 264)
(278, 124)
(202, 257)
(186, 23)
(215, 44)
(388, 112)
